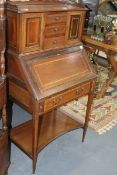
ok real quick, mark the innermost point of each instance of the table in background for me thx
(111, 51)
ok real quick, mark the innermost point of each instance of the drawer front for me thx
(54, 42)
(55, 18)
(67, 96)
(55, 30)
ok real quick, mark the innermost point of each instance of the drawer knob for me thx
(79, 91)
(54, 42)
(57, 18)
(55, 29)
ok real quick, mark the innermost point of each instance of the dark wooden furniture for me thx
(3, 131)
(110, 62)
(93, 6)
(108, 7)
(4, 163)
(47, 67)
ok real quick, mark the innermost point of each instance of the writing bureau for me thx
(47, 67)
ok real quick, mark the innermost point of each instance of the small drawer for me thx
(67, 96)
(55, 18)
(55, 30)
(54, 42)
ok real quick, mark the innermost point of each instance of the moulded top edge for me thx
(30, 6)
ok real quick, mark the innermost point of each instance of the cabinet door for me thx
(30, 32)
(75, 26)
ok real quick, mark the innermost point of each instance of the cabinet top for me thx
(44, 5)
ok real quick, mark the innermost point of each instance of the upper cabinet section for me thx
(36, 26)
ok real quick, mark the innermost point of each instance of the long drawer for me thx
(66, 96)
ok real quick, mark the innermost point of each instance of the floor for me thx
(67, 155)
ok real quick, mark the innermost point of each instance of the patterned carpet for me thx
(104, 111)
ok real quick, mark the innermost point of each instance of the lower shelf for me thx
(52, 126)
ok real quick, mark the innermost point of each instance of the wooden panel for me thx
(55, 18)
(20, 94)
(57, 71)
(74, 26)
(55, 42)
(31, 32)
(33, 26)
(12, 29)
(66, 96)
(13, 67)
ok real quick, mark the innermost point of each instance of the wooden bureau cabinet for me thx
(47, 67)
(44, 30)
(4, 160)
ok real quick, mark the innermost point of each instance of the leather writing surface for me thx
(60, 69)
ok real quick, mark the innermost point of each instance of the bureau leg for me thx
(35, 135)
(89, 104)
(4, 121)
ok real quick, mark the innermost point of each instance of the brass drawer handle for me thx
(79, 91)
(57, 100)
